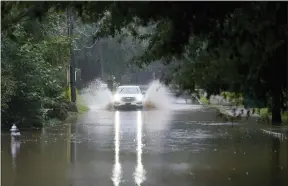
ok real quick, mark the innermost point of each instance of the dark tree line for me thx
(238, 46)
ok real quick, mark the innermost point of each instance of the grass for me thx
(264, 112)
(204, 100)
(79, 101)
(80, 105)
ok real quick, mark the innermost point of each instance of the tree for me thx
(32, 75)
(173, 24)
(108, 54)
(244, 60)
(184, 18)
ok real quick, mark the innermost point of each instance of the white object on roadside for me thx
(13, 128)
(14, 131)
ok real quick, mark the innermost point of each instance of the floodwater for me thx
(163, 148)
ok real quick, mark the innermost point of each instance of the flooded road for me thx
(163, 148)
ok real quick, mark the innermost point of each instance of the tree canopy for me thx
(183, 18)
(35, 57)
(238, 46)
(32, 75)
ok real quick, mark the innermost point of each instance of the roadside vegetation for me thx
(242, 51)
(35, 59)
(204, 100)
(235, 100)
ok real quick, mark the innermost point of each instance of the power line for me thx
(93, 35)
(88, 47)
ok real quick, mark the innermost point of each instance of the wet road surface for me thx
(181, 147)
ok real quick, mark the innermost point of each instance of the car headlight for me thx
(116, 97)
(139, 98)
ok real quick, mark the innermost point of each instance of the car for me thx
(144, 89)
(128, 96)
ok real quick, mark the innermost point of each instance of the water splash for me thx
(97, 95)
(158, 96)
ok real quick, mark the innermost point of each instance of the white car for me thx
(128, 96)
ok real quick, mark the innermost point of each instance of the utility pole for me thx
(101, 60)
(72, 61)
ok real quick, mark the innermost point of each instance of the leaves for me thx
(33, 67)
(240, 55)
(234, 47)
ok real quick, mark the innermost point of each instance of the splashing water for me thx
(96, 95)
(158, 96)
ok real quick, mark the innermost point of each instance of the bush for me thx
(204, 100)
(59, 111)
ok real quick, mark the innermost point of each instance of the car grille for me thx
(128, 99)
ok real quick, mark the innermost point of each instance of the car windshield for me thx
(127, 90)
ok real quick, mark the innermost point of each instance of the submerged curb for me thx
(282, 135)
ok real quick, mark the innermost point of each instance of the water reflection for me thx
(15, 147)
(275, 162)
(117, 172)
(139, 174)
(176, 151)
(71, 147)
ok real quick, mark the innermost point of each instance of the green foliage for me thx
(204, 100)
(233, 97)
(263, 112)
(80, 105)
(249, 58)
(8, 81)
(67, 93)
(176, 21)
(265, 116)
(31, 74)
(238, 47)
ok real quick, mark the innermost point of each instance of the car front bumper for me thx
(121, 104)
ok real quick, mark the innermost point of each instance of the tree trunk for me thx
(278, 67)
(276, 107)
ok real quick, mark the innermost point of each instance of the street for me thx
(184, 146)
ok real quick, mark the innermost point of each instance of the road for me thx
(185, 146)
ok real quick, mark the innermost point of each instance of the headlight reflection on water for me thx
(139, 174)
(117, 171)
